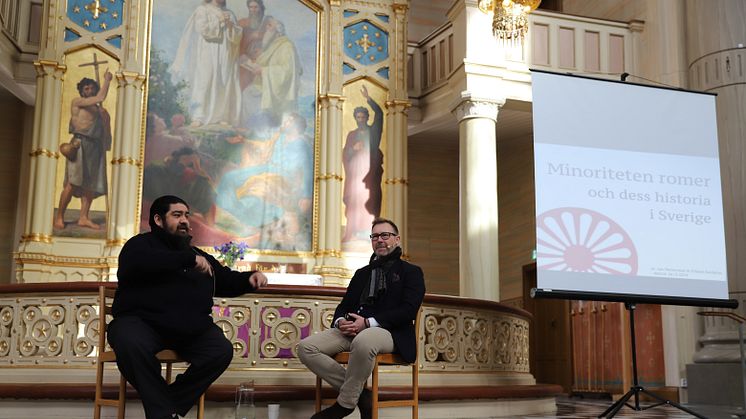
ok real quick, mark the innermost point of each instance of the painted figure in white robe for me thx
(277, 70)
(207, 58)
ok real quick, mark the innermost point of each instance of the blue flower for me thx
(230, 252)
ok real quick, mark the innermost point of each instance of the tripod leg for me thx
(614, 408)
(669, 402)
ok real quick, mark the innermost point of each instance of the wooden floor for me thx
(575, 408)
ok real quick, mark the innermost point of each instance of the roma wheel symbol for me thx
(582, 240)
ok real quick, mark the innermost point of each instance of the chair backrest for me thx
(105, 298)
(417, 335)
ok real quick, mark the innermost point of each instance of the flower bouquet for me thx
(230, 252)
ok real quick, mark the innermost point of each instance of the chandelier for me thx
(510, 17)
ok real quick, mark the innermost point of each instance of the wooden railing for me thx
(21, 23)
(555, 42)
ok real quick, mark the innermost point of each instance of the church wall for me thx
(433, 212)
(11, 137)
(425, 16)
(621, 10)
(516, 212)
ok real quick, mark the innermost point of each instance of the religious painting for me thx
(362, 160)
(231, 118)
(86, 122)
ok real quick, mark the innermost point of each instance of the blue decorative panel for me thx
(116, 41)
(71, 35)
(366, 43)
(96, 15)
(347, 69)
(383, 72)
(350, 13)
(384, 18)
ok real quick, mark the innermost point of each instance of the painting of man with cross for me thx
(85, 153)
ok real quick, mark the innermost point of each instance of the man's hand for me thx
(107, 75)
(258, 279)
(352, 327)
(347, 327)
(364, 91)
(202, 265)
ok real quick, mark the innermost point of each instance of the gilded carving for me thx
(64, 330)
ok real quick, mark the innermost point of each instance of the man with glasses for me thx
(375, 316)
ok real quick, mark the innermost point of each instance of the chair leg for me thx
(99, 385)
(318, 394)
(201, 407)
(415, 390)
(122, 397)
(374, 388)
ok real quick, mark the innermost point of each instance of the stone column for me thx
(124, 211)
(37, 231)
(478, 239)
(715, 48)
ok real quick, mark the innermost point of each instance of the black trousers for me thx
(135, 343)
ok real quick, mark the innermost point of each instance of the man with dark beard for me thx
(164, 301)
(375, 316)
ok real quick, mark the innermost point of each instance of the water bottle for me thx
(245, 401)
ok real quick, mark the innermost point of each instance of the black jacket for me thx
(158, 283)
(396, 309)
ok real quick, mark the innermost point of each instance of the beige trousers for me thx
(317, 351)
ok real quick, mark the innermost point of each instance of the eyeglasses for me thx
(384, 236)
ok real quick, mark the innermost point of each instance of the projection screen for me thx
(628, 195)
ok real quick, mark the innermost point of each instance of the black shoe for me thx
(335, 411)
(365, 404)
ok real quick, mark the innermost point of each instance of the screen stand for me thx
(636, 389)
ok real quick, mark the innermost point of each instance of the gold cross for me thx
(95, 63)
(365, 43)
(96, 8)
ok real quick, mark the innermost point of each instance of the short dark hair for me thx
(379, 220)
(85, 81)
(361, 109)
(161, 206)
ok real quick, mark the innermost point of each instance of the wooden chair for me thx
(384, 359)
(105, 354)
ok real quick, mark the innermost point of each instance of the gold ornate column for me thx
(478, 238)
(37, 232)
(395, 163)
(126, 163)
(89, 41)
(329, 183)
(329, 179)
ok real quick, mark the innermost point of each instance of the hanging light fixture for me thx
(510, 17)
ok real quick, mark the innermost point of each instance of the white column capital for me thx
(468, 106)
